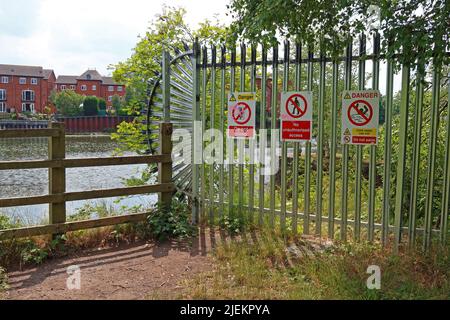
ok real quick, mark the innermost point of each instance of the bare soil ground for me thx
(135, 271)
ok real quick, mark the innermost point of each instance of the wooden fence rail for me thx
(57, 197)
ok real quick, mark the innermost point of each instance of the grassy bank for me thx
(264, 266)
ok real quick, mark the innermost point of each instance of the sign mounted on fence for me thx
(296, 116)
(241, 115)
(360, 110)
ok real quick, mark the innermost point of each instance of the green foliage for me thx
(129, 136)
(3, 280)
(101, 104)
(67, 102)
(411, 25)
(117, 104)
(90, 106)
(5, 223)
(33, 254)
(167, 31)
(171, 224)
(233, 225)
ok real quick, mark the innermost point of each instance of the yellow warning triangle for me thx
(347, 96)
(232, 98)
(347, 132)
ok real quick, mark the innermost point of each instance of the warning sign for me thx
(360, 111)
(241, 115)
(296, 116)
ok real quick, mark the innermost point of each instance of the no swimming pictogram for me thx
(242, 113)
(360, 112)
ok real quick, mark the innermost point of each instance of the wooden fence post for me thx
(165, 169)
(57, 176)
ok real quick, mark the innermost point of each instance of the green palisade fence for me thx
(397, 192)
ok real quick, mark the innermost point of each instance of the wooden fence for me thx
(57, 197)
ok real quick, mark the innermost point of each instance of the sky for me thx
(72, 36)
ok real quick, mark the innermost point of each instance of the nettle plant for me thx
(171, 223)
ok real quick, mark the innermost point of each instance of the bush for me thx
(90, 106)
(67, 102)
(102, 104)
(171, 224)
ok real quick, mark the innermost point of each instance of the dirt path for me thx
(137, 271)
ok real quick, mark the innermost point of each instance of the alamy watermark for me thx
(208, 147)
(374, 280)
(73, 281)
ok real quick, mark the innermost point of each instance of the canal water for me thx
(32, 182)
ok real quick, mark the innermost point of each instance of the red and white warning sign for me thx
(296, 116)
(241, 115)
(360, 110)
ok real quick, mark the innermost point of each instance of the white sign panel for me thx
(360, 117)
(241, 115)
(296, 116)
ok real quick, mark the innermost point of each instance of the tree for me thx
(168, 32)
(117, 103)
(419, 26)
(90, 106)
(67, 102)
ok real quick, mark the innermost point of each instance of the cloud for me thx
(18, 17)
(70, 37)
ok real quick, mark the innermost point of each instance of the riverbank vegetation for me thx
(263, 265)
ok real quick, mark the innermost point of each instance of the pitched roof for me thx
(94, 76)
(66, 80)
(47, 73)
(25, 71)
(109, 81)
(90, 75)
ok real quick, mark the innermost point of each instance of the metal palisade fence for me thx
(396, 191)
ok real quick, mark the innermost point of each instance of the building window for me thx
(2, 107)
(88, 77)
(2, 94)
(110, 98)
(22, 80)
(28, 95)
(5, 79)
(119, 88)
(63, 87)
(27, 107)
(83, 87)
(110, 88)
(94, 87)
(34, 81)
(72, 87)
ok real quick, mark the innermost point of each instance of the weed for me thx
(172, 223)
(33, 254)
(3, 280)
(233, 226)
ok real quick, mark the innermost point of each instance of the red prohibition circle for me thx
(302, 112)
(366, 118)
(236, 117)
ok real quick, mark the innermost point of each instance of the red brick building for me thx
(25, 88)
(91, 83)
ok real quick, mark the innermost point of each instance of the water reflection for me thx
(32, 182)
